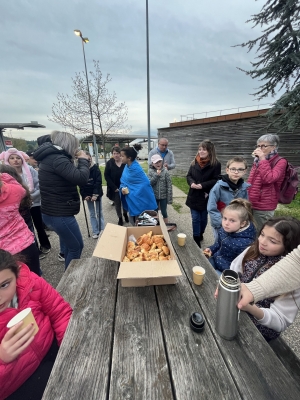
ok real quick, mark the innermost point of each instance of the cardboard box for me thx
(112, 245)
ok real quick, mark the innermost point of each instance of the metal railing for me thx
(190, 117)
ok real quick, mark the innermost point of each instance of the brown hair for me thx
(210, 147)
(8, 261)
(237, 159)
(244, 209)
(288, 227)
(117, 149)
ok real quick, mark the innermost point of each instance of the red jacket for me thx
(265, 184)
(52, 314)
(14, 233)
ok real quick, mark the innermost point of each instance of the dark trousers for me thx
(34, 387)
(30, 256)
(118, 205)
(39, 226)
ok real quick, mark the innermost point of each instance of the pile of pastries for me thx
(148, 247)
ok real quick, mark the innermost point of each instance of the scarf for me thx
(202, 161)
(253, 269)
(270, 155)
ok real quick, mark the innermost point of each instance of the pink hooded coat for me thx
(52, 314)
(265, 184)
(4, 156)
(14, 233)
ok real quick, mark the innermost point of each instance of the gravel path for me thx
(53, 269)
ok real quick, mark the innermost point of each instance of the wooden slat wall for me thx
(231, 138)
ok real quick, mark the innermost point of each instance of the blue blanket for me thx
(140, 196)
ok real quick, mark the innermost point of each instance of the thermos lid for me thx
(197, 322)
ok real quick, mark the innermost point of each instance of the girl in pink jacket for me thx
(15, 235)
(25, 360)
(265, 179)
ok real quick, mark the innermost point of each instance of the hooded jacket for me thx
(52, 314)
(59, 177)
(161, 184)
(230, 245)
(222, 191)
(265, 184)
(14, 233)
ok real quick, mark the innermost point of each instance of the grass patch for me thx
(144, 165)
(291, 210)
(181, 183)
(177, 206)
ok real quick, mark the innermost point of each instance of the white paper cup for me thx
(198, 275)
(27, 317)
(125, 190)
(181, 237)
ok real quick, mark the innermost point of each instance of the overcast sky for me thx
(192, 61)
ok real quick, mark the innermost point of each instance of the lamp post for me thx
(86, 40)
(148, 77)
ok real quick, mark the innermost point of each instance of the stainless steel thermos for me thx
(227, 311)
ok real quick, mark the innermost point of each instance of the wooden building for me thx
(233, 135)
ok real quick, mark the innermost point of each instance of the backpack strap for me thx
(276, 159)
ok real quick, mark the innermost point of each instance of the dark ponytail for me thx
(132, 151)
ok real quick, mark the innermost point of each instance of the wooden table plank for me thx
(255, 368)
(198, 371)
(82, 367)
(139, 365)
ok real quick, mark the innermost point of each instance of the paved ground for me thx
(53, 269)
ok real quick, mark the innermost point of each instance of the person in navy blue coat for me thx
(237, 233)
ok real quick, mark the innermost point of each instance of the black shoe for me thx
(197, 240)
(120, 221)
(41, 255)
(126, 217)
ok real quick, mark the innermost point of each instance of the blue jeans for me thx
(199, 222)
(95, 220)
(70, 239)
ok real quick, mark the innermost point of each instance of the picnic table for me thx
(136, 343)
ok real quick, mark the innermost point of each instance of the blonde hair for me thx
(237, 159)
(66, 141)
(243, 207)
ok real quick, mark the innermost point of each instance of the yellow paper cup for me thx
(27, 317)
(181, 237)
(198, 275)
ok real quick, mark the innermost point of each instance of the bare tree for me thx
(73, 112)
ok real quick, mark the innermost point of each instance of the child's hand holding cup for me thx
(125, 190)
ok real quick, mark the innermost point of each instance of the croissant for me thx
(166, 250)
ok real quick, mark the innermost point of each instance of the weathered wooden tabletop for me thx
(136, 343)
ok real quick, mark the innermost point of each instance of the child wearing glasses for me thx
(229, 186)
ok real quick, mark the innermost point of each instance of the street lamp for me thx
(86, 40)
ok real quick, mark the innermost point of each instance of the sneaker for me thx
(61, 257)
(95, 236)
(41, 255)
(44, 250)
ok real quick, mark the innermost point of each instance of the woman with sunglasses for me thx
(266, 177)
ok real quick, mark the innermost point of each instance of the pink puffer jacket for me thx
(52, 314)
(15, 235)
(265, 184)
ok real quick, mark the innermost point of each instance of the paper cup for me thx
(181, 237)
(198, 275)
(125, 190)
(27, 317)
